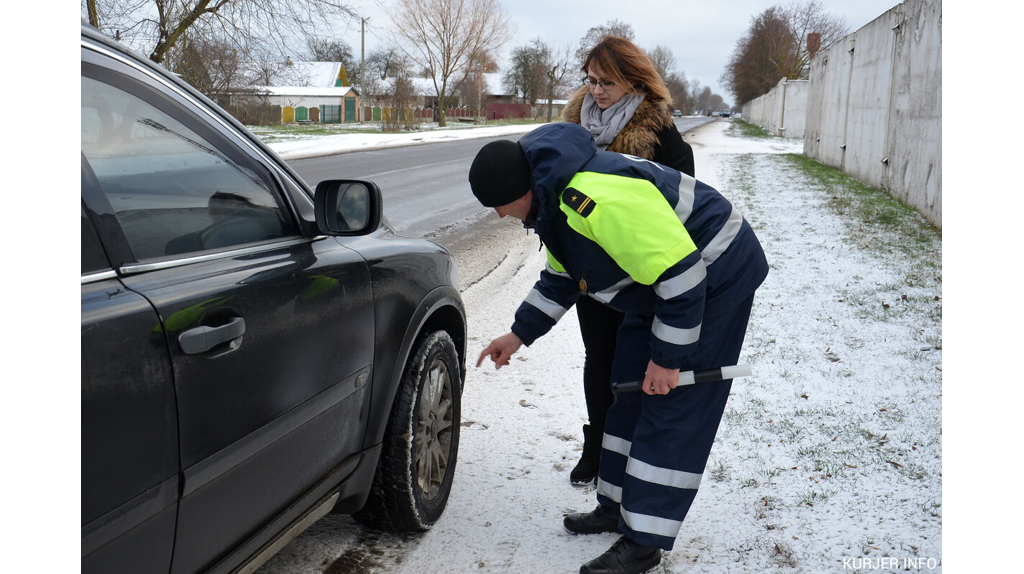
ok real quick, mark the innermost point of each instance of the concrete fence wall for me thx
(782, 111)
(874, 105)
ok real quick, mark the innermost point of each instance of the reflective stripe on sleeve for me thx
(721, 242)
(681, 283)
(674, 335)
(608, 294)
(663, 476)
(545, 305)
(651, 524)
(686, 193)
(616, 444)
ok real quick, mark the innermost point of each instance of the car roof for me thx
(94, 36)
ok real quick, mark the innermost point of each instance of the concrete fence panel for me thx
(915, 158)
(870, 93)
(827, 104)
(782, 111)
(793, 122)
(875, 105)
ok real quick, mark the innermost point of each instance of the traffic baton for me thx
(691, 377)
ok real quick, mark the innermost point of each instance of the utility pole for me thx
(479, 92)
(362, 70)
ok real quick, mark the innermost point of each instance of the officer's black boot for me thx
(601, 519)
(586, 469)
(624, 557)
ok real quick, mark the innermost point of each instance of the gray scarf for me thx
(604, 125)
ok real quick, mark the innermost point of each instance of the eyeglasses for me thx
(592, 83)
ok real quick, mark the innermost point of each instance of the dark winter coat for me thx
(650, 134)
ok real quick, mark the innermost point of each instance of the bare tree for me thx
(210, 65)
(449, 37)
(663, 59)
(157, 26)
(754, 68)
(330, 50)
(692, 95)
(774, 47)
(538, 70)
(716, 103)
(526, 75)
(704, 99)
(594, 35)
(473, 87)
(387, 62)
(263, 70)
(664, 62)
(94, 17)
(678, 88)
(804, 19)
(398, 100)
(559, 62)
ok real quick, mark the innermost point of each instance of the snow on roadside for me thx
(829, 458)
(350, 142)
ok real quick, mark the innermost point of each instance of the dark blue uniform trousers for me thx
(655, 447)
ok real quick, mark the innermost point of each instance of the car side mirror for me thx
(347, 207)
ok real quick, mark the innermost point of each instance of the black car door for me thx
(129, 423)
(269, 333)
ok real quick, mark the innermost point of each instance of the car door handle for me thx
(202, 339)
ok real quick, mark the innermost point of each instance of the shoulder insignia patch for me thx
(578, 201)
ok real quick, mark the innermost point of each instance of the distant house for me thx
(424, 95)
(305, 91)
(541, 109)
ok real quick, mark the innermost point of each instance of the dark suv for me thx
(254, 355)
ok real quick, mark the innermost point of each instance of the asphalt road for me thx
(425, 187)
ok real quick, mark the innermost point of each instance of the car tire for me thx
(421, 442)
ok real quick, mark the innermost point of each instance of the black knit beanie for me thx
(499, 174)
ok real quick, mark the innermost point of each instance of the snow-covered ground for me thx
(829, 458)
(305, 147)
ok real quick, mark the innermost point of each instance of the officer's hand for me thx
(501, 349)
(658, 380)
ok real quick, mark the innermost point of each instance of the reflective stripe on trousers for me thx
(656, 447)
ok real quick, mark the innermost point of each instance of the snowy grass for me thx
(290, 132)
(836, 442)
(293, 132)
(749, 130)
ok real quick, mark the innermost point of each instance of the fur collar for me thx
(640, 136)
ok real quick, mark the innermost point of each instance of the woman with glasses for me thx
(626, 106)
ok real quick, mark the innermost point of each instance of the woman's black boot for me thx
(586, 469)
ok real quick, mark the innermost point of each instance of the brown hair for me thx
(626, 65)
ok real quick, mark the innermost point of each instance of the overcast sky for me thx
(700, 33)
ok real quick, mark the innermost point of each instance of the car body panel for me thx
(129, 413)
(284, 399)
(406, 274)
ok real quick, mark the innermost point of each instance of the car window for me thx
(93, 258)
(172, 190)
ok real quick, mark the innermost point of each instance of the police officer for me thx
(682, 263)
